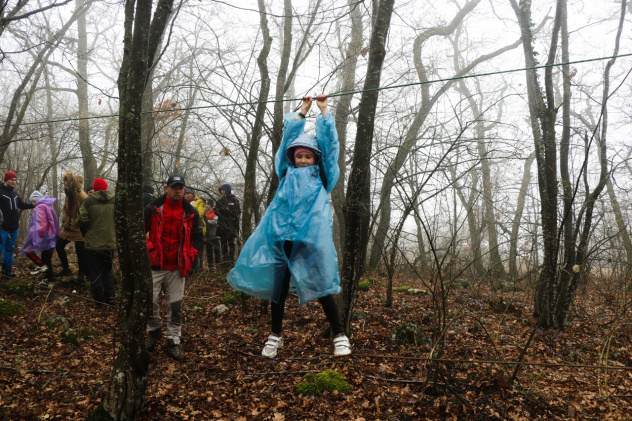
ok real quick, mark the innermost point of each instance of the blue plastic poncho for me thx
(43, 229)
(299, 213)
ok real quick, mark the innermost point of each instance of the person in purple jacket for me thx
(42, 236)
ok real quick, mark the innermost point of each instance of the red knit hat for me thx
(100, 185)
(9, 175)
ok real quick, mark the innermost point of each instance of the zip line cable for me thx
(337, 94)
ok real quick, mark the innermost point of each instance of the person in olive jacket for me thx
(96, 221)
(70, 225)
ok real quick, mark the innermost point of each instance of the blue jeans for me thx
(8, 245)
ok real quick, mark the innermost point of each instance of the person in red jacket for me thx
(174, 237)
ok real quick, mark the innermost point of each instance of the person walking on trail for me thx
(198, 204)
(42, 236)
(70, 226)
(10, 203)
(228, 211)
(174, 236)
(294, 240)
(212, 240)
(96, 221)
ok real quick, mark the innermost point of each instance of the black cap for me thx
(175, 179)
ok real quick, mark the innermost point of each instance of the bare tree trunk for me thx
(570, 278)
(515, 223)
(126, 395)
(81, 76)
(54, 152)
(281, 87)
(250, 181)
(148, 131)
(343, 111)
(285, 82)
(623, 228)
(473, 223)
(357, 203)
(543, 115)
(496, 267)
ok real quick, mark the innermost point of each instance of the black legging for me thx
(81, 254)
(328, 303)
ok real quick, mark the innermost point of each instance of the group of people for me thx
(292, 245)
(87, 220)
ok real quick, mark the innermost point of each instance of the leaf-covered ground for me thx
(225, 378)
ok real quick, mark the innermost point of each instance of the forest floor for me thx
(225, 378)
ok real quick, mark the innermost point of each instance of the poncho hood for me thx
(306, 140)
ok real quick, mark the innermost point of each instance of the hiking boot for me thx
(342, 346)
(175, 350)
(64, 272)
(9, 275)
(152, 339)
(273, 343)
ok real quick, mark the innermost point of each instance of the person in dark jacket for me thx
(10, 202)
(148, 194)
(96, 221)
(228, 211)
(174, 238)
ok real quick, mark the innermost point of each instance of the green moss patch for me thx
(407, 334)
(327, 381)
(10, 308)
(364, 286)
(79, 335)
(20, 288)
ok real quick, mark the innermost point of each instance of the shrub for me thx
(9, 308)
(407, 334)
(328, 380)
(20, 288)
(364, 286)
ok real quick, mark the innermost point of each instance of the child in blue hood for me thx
(294, 240)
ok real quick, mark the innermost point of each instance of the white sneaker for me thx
(342, 346)
(45, 284)
(270, 349)
(38, 270)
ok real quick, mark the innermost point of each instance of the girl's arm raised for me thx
(330, 148)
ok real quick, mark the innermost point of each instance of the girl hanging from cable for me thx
(294, 240)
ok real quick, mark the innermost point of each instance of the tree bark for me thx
(357, 203)
(343, 111)
(285, 81)
(250, 181)
(517, 217)
(126, 395)
(543, 115)
(81, 76)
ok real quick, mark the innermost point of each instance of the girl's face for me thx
(304, 159)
